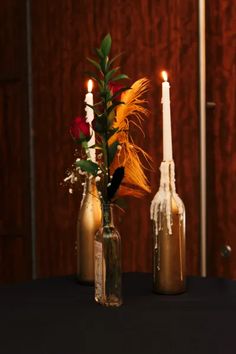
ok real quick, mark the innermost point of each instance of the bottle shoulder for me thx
(167, 200)
(108, 231)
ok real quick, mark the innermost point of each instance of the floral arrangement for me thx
(118, 169)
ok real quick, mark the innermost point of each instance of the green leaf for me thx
(106, 65)
(105, 95)
(117, 93)
(103, 62)
(93, 108)
(100, 124)
(96, 146)
(99, 53)
(96, 64)
(81, 139)
(115, 104)
(100, 85)
(111, 118)
(112, 151)
(120, 77)
(88, 166)
(106, 45)
(112, 132)
(108, 95)
(110, 73)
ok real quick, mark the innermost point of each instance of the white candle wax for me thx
(167, 136)
(89, 119)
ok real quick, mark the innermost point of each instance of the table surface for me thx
(59, 316)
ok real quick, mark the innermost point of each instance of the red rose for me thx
(80, 129)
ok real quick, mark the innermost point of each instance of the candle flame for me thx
(90, 85)
(164, 75)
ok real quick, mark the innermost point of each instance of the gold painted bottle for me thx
(107, 252)
(168, 215)
(89, 222)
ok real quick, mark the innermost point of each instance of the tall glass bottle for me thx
(107, 252)
(89, 222)
(168, 215)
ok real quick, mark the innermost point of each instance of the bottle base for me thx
(112, 301)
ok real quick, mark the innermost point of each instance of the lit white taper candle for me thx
(90, 117)
(167, 136)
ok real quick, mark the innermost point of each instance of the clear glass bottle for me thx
(168, 215)
(107, 252)
(89, 222)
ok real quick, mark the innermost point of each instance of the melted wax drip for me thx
(161, 203)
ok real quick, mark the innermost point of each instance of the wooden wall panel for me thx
(154, 35)
(12, 38)
(221, 136)
(15, 252)
(12, 210)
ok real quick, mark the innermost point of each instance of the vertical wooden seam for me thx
(31, 138)
(202, 95)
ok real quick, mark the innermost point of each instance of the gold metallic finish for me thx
(89, 222)
(169, 255)
(168, 215)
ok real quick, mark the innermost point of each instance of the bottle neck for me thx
(108, 214)
(167, 182)
(90, 185)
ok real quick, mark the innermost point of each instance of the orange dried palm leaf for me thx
(135, 182)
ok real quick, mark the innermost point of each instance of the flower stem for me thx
(87, 149)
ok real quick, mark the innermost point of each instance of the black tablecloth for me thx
(59, 316)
